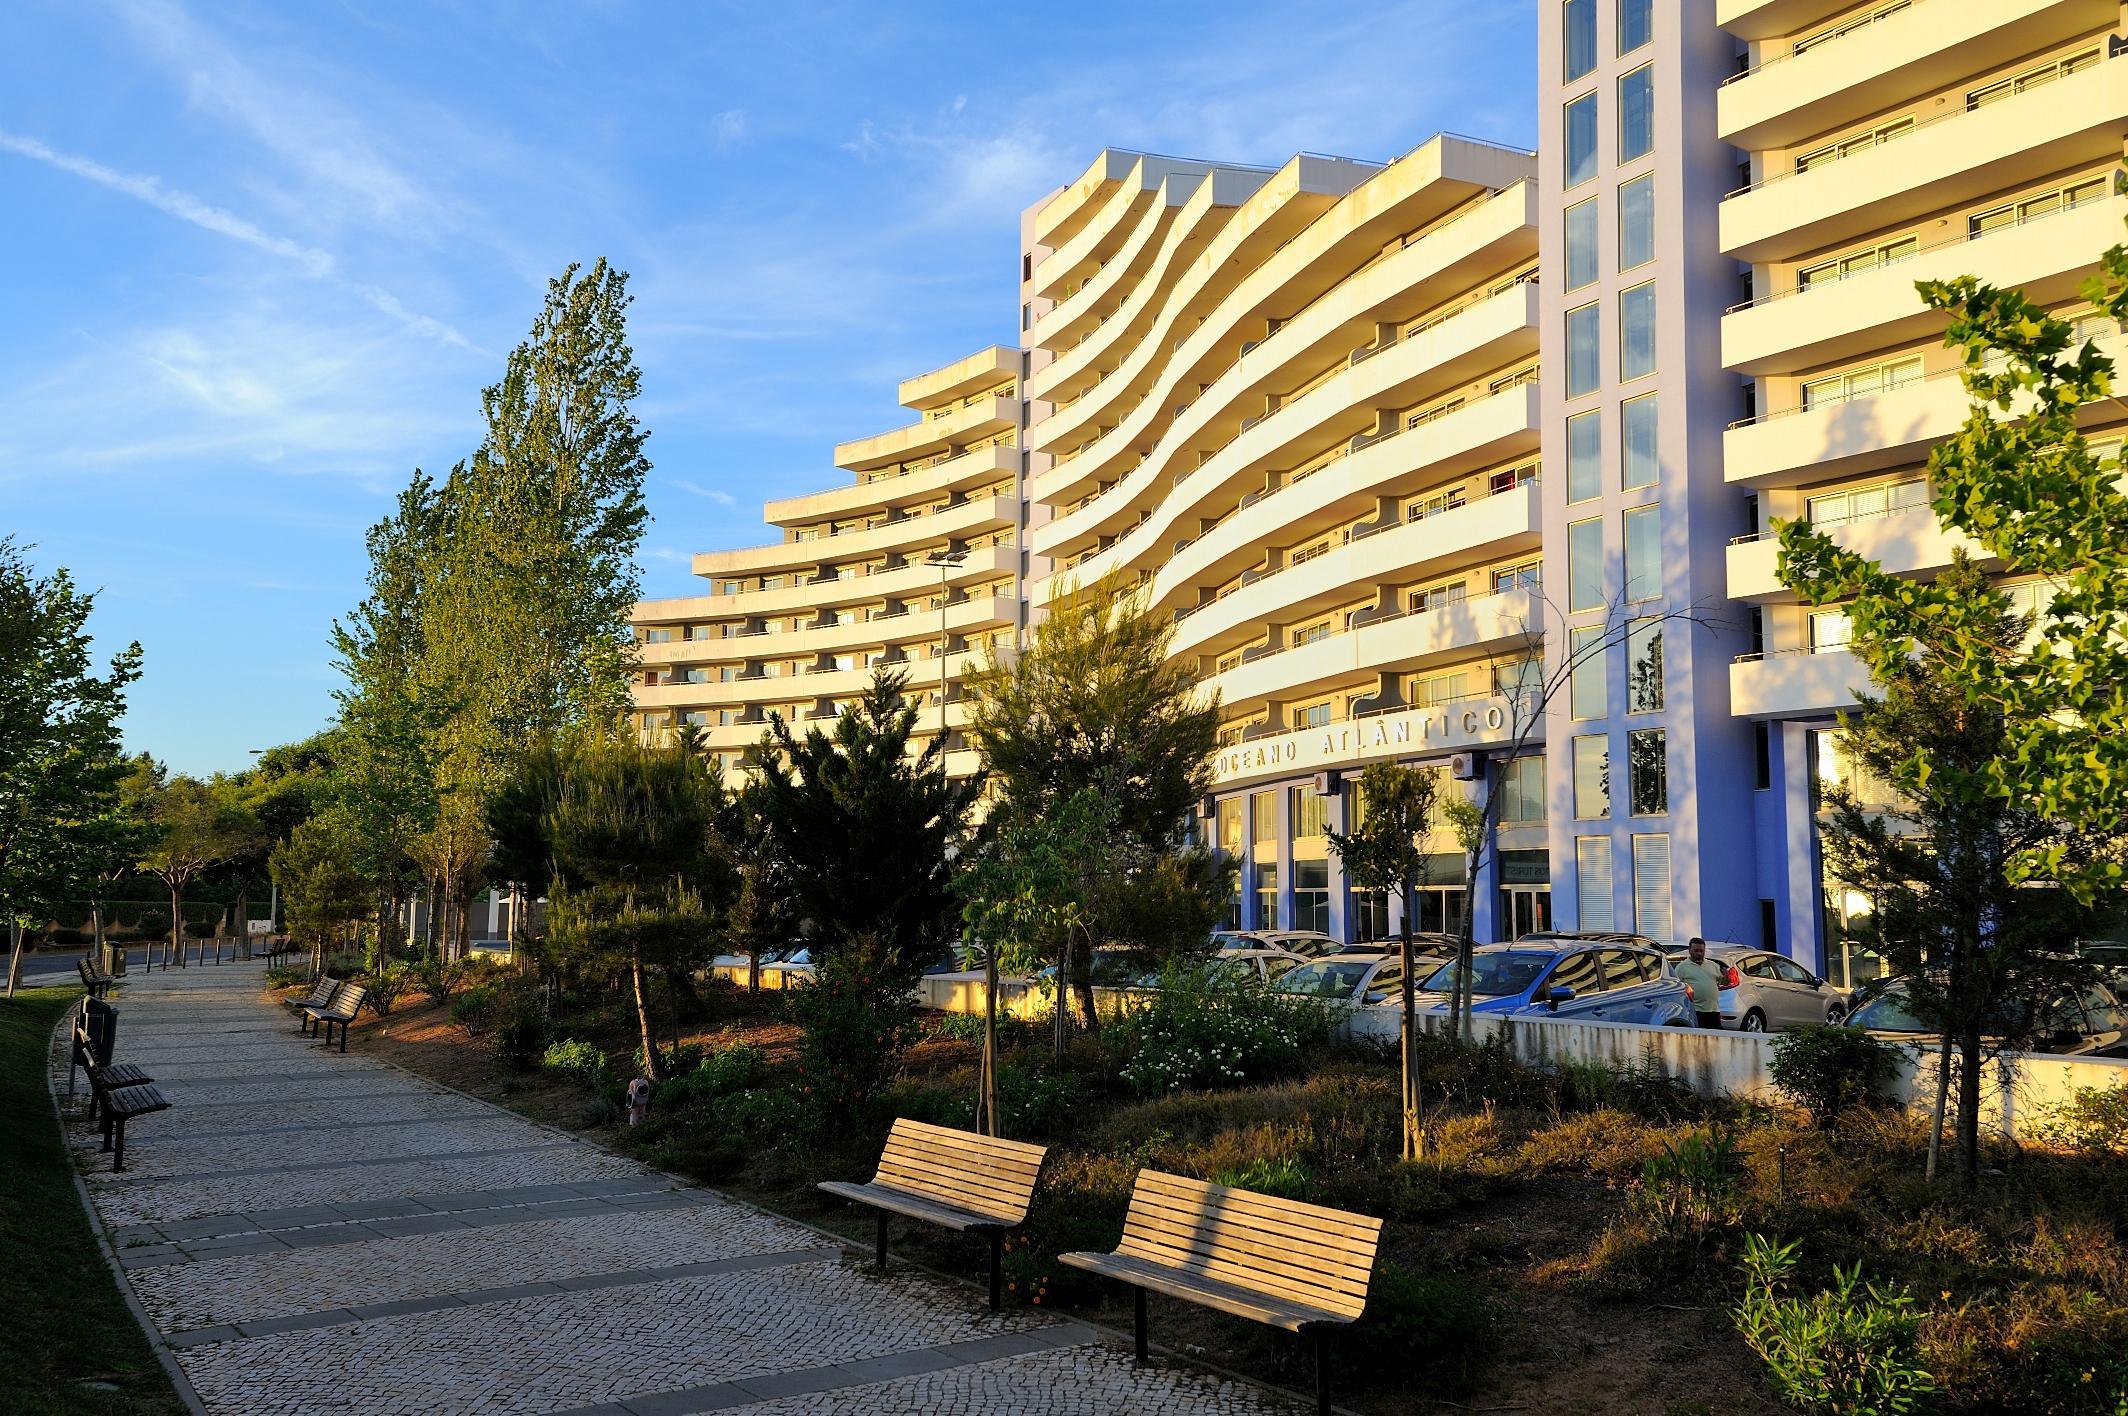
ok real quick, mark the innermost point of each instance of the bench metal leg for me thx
(1144, 1352)
(1322, 1373)
(879, 1245)
(343, 1033)
(118, 1160)
(997, 1270)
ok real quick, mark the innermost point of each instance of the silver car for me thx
(1766, 992)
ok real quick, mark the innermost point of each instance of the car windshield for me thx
(1326, 978)
(1888, 1012)
(1495, 975)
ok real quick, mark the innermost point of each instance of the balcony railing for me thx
(1262, 653)
(1809, 42)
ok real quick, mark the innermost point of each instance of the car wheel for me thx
(1835, 1015)
(1754, 1021)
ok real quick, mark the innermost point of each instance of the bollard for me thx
(638, 1100)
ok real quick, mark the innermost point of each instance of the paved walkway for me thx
(306, 1230)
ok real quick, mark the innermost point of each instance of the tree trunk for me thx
(103, 951)
(653, 1064)
(1414, 1118)
(1061, 1022)
(14, 957)
(1969, 1080)
(1082, 985)
(987, 1121)
(1943, 1092)
(177, 924)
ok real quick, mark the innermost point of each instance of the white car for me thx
(1257, 965)
(793, 968)
(1355, 977)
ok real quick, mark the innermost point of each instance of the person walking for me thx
(1702, 981)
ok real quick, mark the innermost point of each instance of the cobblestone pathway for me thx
(308, 1231)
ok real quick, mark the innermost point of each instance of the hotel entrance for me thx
(1525, 893)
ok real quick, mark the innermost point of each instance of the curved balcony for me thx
(2046, 257)
(1953, 155)
(1496, 526)
(808, 593)
(1481, 433)
(1493, 623)
(1907, 542)
(980, 416)
(1790, 98)
(1147, 201)
(790, 688)
(1894, 428)
(970, 518)
(1485, 334)
(915, 625)
(945, 473)
(1795, 683)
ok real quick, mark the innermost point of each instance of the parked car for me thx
(2087, 1022)
(1560, 976)
(1309, 943)
(794, 967)
(1764, 992)
(1423, 941)
(1353, 977)
(1596, 936)
(1114, 968)
(1257, 965)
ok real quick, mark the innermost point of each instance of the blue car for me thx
(1612, 983)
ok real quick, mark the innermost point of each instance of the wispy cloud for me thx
(721, 498)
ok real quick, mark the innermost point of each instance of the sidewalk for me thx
(306, 1230)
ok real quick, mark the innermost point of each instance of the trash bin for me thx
(114, 959)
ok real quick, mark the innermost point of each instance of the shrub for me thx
(344, 965)
(1197, 1031)
(2094, 1119)
(72, 938)
(475, 1009)
(384, 988)
(1441, 1332)
(968, 1027)
(1828, 1071)
(575, 1058)
(1849, 1349)
(521, 1032)
(438, 978)
(1285, 1176)
(199, 929)
(599, 1111)
(154, 924)
(857, 1018)
(1691, 1186)
(1034, 1101)
(287, 975)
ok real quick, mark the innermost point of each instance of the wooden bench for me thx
(90, 1048)
(1290, 1265)
(93, 978)
(954, 1179)
(320, 996)
(345, 1003)
(118, 1105)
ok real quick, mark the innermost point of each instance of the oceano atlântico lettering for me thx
(1426, 727)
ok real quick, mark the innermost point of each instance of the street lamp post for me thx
(945, 561)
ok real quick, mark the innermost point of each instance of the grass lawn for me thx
(67, 1341)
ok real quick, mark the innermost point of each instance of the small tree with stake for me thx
(1382, 853)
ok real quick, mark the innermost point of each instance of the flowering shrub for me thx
(1196, 1031)
(857, 1018)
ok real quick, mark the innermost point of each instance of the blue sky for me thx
(263, 257)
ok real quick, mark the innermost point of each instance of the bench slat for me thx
(1239, 1300)
(135, 1101)
(886, 1197)
(1165, 1221)
(960, 1170)
(913, 1173)
(950, 1138)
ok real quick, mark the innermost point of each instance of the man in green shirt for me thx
(1703, 981)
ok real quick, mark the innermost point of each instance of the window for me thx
(1311, 813)
(2045, 204)
(1584, 337)
(1420, 508)
(1651, 886)
(1584, 457)
(1849, 25)
(1648, 772)
(1581, 244)
(1527, 576)
(1587, 691)
(1311, 895)
(659, 636)
(1267, 894)
(1858, 503)
(1644, 666)
(1521, 788)
(1643, 552)
(1263, 826)
(1509, 478)
(1517, 677)
(1638, 463)
(1584, 565)
(1433, 689)
(1578, 36)
(1592, 776)
(1436, 597)
(1310, 633)
(1636, 113)
(1883, 254)
(1581, 140)
(2032, 78)
(1861, 383)
(1849, 146)
(1592, 869)
(1636, 24)
(1229, 812)
(1315, 715)
(1830, 630)
(1636, 331)
(1636, 222)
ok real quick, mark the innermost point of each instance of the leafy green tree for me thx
(868, 833)
(192, 828)
(60, 822)
(1981, 953)
(630, 832)
(1095, 704)
(2020, 479)
(1381, 852)
(322, 892)
(760, 916)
